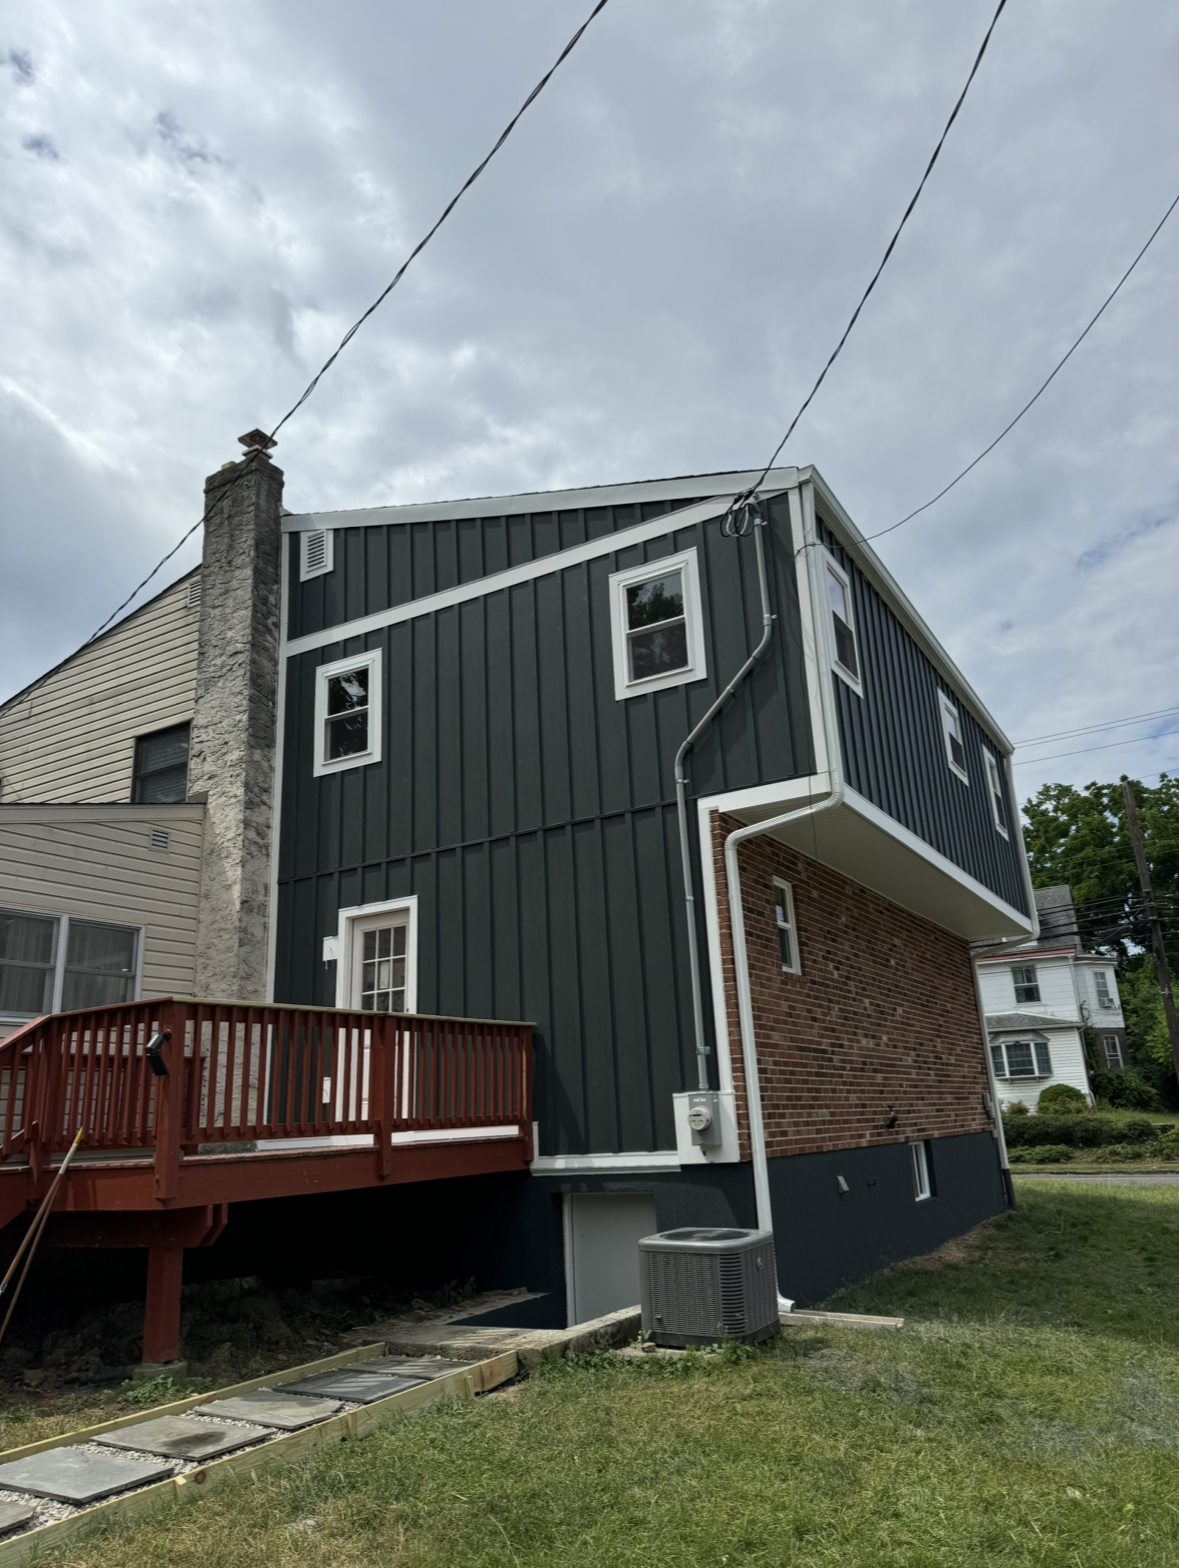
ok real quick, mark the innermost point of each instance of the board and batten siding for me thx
(96, 863)
(894, 753)
(72, 738)
(533, 815)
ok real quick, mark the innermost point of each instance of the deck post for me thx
(169, 1097)
(161, 1309)
(384, 1090)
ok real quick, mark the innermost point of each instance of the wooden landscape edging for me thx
(464, 1383)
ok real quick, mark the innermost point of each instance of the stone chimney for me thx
(231, 762)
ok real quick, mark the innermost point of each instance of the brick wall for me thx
(883, 1013)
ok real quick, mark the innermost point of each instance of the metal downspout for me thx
(681, 801)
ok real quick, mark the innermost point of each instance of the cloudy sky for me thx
(199, 198)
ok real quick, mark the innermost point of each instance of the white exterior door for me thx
(602, 1232)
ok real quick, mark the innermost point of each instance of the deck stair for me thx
(188, 1106)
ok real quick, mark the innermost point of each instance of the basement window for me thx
(952, 736)
(845, 653)
(1021, 1059)
(787, 932)
(161, 767)
(316, 553)
(922, 1183)
(996, 792)
(348, 713)
(656, 626)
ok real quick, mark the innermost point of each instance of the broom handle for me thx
(46, 1204)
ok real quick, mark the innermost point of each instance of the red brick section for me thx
(883, 1014)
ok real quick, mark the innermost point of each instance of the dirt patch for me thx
(956, 1251)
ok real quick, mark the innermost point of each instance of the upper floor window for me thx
(845, 655)
(952, 735)
(348, 713)
(1027, 986)
(53, 963)
(995, 790)
(161, 767)
(316, 552)
(656, 626)
(1105, 997)
(787, 931)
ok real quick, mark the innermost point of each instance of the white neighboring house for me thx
(1039, 996)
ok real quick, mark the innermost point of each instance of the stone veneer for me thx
(882, 1015)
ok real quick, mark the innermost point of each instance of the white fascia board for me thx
(545, 566)
(888, 588)
(1037, 953)
(685, 487)
(605, 1164)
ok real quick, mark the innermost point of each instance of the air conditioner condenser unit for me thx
(702, 1284)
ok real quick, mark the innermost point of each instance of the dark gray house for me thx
(480, 709)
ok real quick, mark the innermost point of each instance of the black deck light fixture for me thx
(154, 1051)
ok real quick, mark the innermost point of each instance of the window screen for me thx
(27, 945)
(161, 767)
(656, 627)
(99, 967)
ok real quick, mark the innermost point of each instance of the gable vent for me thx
(194, 593)
(316, 547)
(159, 838)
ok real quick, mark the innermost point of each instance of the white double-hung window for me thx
(845, 653)
(348, 713)
(787, 931)
(656, 626)
(996, 792)
(952, 736)
(54, 963)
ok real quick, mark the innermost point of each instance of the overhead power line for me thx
(1027, 762)
(1088, 729)
(747, 494)
(1109, 299)
(384, 294)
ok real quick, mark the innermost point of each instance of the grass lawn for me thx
(1028, 1414)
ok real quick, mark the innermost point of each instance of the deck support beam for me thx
(161, 1311)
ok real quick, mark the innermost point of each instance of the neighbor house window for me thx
(952, 736)
(348, 713)
(656, 624)
(52, 963)
(995, 790)
(1027, 987)
(1104, 994)
(316, 553)
(1021, 1059)
(922, 1185)
(787, 933)
(1112, 1046)
(161, 767)
(845, 655)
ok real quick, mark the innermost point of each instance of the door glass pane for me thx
(26, 963)
(382, 969)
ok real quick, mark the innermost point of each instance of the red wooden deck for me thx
(415, 1098)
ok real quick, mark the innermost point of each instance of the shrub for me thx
(1017, 1108)
(1077, 1132)
(1046, 1154)
(1091, 1132)
(1061, 1099)
(1125, 1091)
(1137, 1130)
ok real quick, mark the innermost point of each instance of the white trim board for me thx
(605, 1164)
(684, 487)
(528, 571)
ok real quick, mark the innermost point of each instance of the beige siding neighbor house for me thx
(100, 848)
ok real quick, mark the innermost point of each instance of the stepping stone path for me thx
(173, 1437)
(13, 1515)
(80, 1476)
(271, 1407)
(409, 1366)
(361, 1388)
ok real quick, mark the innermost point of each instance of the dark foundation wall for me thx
(827, 1238)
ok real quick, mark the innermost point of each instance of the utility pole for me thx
(1161, 968)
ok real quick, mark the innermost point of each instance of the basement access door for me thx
(602, 1232)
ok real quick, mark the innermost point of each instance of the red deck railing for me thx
(240, 1073)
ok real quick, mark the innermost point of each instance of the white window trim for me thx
(855, 682)
(344, 947)
(948, 708)
(787, 894)
(61, 946)
(372, 662)
(995, 783)
(696, 668)
(329, 553)
(922, 1185)
(1007, 1076)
